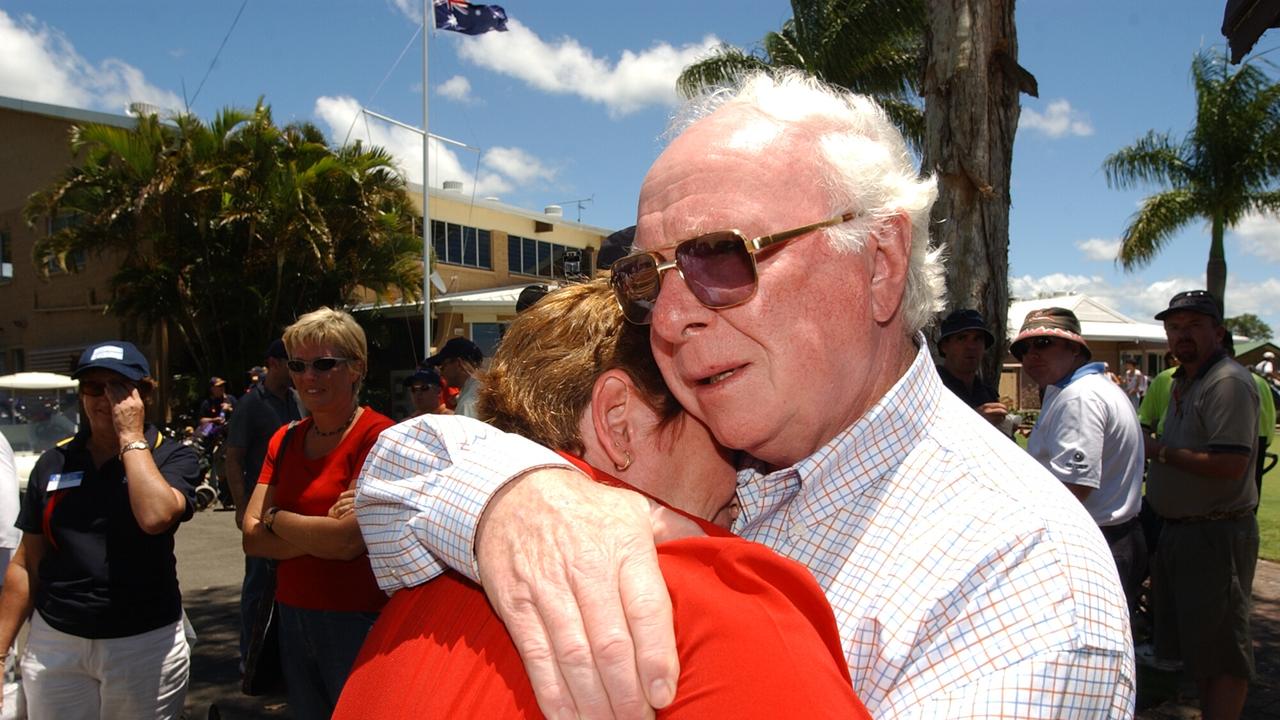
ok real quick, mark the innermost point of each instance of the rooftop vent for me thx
(553, 211)
(453, 186)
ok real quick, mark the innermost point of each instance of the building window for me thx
(540, 258)
(487, 336)
(6, 255)
(461, 245)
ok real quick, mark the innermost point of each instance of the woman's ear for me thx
(613, 401)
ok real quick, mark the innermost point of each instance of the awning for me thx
(1244, 22)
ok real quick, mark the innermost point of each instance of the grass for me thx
(1269, 514)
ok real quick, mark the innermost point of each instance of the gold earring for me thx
(624, 465)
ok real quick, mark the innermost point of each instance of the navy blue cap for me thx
(458, 347)
(426, 376)
(115, 355)
(276, 350)
(961, 320)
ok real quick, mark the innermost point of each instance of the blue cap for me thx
(426, 376)
(114, 355)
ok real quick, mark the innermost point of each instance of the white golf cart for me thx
(37, 411)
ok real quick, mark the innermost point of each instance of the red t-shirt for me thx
(309, 486)
(754, 634)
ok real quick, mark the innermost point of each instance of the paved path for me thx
(1263, 702)
(210, 568)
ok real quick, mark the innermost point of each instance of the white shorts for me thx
(139, 677)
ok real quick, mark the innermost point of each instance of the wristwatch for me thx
(269, 517)
(135, 445)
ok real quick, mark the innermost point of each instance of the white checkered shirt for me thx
(967, 582)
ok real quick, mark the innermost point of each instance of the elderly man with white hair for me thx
(965, 580)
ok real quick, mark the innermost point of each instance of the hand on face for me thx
(128, 413)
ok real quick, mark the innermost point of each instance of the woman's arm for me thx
(324, 537)
(259, 540)
(156, 504)
(20, 580)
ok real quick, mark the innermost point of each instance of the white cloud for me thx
(455, 88)
(1259, 236)
(1058, 119)
(518, 165)
(1028, 287)
(565, 67)
(505, 169)
(411, 9)
(39, 63)
(1141, 299)
(1099, 248)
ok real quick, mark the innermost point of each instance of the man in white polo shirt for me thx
(1087, 435)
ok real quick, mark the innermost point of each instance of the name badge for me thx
(62, 481)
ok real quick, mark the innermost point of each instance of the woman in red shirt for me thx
(755, 636)
(327, 594)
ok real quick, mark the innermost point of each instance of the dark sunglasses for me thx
(1041, 343)
(719, 268)
(320, 365)
(95, 388)
(423, 388)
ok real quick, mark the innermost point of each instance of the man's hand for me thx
(570, 567)
(994, 412)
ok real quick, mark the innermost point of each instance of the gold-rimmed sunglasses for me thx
(719, 268)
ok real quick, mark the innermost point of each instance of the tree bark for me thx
(971, 84)
(1215, 271)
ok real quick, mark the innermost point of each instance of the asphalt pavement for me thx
(210, 568)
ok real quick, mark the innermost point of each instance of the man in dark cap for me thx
(458, 361)
(962, 342)
(1201, 483)
(424, 387)
(268, 405)
(1087, 435)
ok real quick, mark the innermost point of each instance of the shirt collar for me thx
(858, 457)
(1093, 368)
(1181, 372)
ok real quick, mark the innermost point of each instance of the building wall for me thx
(44, 322)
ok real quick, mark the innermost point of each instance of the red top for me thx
(309, 486)
(754, 634)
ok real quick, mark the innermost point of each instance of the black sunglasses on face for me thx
(320, 365)
(718, 267)
(1041, 343)
(95, 388)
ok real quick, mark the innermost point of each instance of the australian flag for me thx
(464, 17)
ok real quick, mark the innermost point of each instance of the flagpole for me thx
(426, 194)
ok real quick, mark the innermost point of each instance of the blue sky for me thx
(572, 101)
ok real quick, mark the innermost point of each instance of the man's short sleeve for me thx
(240, 426)
(1229, 412)
(1070, 446)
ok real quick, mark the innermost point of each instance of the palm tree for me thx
(873, 47)
(226, 230)
(1223, 169)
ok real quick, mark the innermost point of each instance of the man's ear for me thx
(889, 247)
(612, 402)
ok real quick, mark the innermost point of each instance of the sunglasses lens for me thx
(718, 269)
(635, 285)
(296, 366)
(324, 364)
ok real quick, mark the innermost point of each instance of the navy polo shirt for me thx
(102, 576)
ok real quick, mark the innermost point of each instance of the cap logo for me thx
(107, 352)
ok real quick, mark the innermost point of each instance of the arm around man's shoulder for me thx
(423, 488)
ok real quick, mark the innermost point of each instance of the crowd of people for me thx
(744, 490)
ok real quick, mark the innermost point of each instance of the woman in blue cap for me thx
(96, 559)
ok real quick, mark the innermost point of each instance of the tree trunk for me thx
(1215, 271)
(971, 85)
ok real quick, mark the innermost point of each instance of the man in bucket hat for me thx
(1201, 482)
(963, 339)
(1087, 435)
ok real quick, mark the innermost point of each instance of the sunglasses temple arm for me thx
(761, 243)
